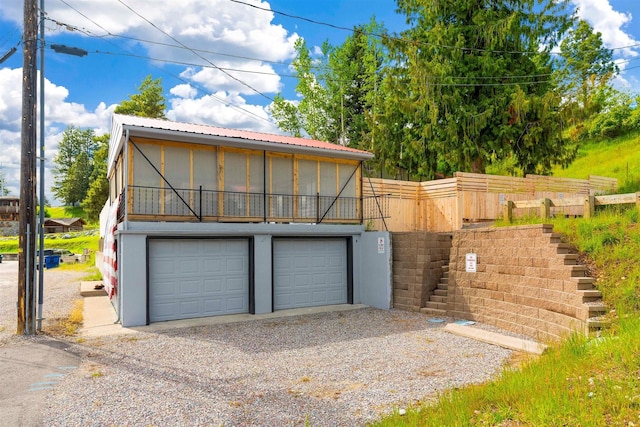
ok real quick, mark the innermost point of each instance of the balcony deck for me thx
(198, 205)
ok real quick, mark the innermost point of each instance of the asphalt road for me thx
(31, 366)
(30, 369)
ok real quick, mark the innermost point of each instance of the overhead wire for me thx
(171, 61)
(226, 70)
(195, 53)
(402, 40)
(9, 35)
(200, 88)
(502, 77)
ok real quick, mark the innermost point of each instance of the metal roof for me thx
(264, 141)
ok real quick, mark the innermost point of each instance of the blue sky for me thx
(122, 35)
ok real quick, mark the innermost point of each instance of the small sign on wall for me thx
(380, 245)
(471, 263)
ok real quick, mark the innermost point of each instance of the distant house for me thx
(9, 208)
(63, 225)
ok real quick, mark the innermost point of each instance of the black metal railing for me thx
(210, 205)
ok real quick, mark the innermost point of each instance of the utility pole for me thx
(27, 225)
(41, 197)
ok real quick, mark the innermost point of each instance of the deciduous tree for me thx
(98, 191)
(586, 69)
(73, 165)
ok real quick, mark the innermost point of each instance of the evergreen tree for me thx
(476, 83)
(149, 102)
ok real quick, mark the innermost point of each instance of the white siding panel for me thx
(197, 278)
(309, 272)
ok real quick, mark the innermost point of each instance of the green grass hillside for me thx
(584, 381)
(76, 242)
(66, 212)
(615, 158)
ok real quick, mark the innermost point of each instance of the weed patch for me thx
(67, 326)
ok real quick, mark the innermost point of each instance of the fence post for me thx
(589, 206)
(638, 201)
(507, 210)
(317, 207)
(200, 203)
(545, 208)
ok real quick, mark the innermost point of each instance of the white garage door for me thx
(197, 278)
(309, 272)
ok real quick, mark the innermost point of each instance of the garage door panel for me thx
(237, 266)
(189, 308)
(190, 288)
(309, 272)
(189, 266)
(165, 289)
(213, 286)
(235, 305)
(165, 266)
(198, 278)
(235, 285)
(187, 248)
(212, 266)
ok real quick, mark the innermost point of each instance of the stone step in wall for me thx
(418, 261)
(526, 281)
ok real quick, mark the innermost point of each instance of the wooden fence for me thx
(449, 204)
(587, 204)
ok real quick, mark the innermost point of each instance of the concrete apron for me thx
(100, 316)
(100, 320)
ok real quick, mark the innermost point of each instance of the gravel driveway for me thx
(328, 369)
(341, 368)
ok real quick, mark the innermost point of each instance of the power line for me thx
(402, 40)
(182, 46)
(200, 88)
(89, 34)
(176, 62)
(196, 53)
(532, 76)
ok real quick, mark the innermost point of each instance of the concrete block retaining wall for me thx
(418, 259)
(526, 282)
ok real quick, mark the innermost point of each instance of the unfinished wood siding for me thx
(240, 184)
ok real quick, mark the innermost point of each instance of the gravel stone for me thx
(343, 368)
(328, 369)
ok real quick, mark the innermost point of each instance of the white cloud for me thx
(222, 109)
(614, 26)
(211, 29)
(221, 32)
(248, 79)
(58, 115)
(611, 23)
(184, 91)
